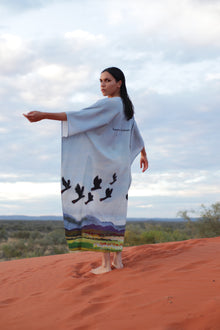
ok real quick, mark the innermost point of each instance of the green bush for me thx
(59, 250)
(148, 237)
(21, 234)
(56, 237)
(36, 235)
(208, 224)
(14, 249)
(131, 238)
(3, 235)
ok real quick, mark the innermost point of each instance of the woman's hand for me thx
(144, 163)
(143, 160)
(34, 116)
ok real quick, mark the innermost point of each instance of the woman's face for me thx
(109, 86)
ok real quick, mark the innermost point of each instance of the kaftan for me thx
(98, 147)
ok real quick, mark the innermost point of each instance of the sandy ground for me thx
(162, 287)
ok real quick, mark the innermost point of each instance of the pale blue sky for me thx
(51, 56)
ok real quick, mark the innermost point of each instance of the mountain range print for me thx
(92, 234)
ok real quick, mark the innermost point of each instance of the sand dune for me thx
(169, 286)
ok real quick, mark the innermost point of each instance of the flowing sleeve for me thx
(136, 142)
(97, 115)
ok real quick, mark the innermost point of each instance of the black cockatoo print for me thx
(114, 177)
(97, 183)
(90, 198)
(79, 190)
(66, 184)
(108, 194)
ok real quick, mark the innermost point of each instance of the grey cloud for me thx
(169, 207)
(23, 5)
(178, 133)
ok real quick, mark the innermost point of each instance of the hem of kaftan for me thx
(91, 234)
(94, 250)
(88, 244)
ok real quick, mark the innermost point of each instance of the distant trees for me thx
(151, 232)
(208, 224)
(25, 239)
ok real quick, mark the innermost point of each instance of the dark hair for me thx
(119, 75)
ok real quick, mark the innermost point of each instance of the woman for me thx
(99, 144)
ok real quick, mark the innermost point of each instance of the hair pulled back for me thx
(128, 106)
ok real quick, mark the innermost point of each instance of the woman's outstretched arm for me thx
(34, 116)
(143, 160)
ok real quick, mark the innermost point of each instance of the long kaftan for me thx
(98, 147)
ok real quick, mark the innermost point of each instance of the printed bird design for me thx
(108, 194)
(79, 191)
(90, 198)
(66, 185)
(114, 176)
(97, 182)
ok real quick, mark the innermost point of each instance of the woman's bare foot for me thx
(100, 270)
(106, 265)
(117, 260)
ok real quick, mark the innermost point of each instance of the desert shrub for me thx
(163, 236)
(38, 251)
(58, 250)
(31, 244)
(131, 238)
(147, 237)
(3, 235)
(21, 234)
(208, 224)
(56, 237)
(208, 228)
(36, 234)
(155, 236)
(14, 249)
(44, 242)
(27, 239)
(179, 236)
(155, 233)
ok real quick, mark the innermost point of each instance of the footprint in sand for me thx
(6, 302)
(104, 298)
(191, 266)
(90, 289)
(4, 280)
(90, 309)
(81, 270)
(36, 294)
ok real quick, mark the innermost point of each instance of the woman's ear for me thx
(119, 83)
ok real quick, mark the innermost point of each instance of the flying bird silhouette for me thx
(66, 184)
(79, 191)
(108, 194)
(90, 198)
(97, 183)
(114, 176)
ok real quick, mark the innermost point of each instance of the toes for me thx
(100, 270)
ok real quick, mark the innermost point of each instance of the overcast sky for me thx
(51, 56)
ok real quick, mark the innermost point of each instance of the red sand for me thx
(162, 287)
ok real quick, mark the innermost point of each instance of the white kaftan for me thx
(98, 147)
